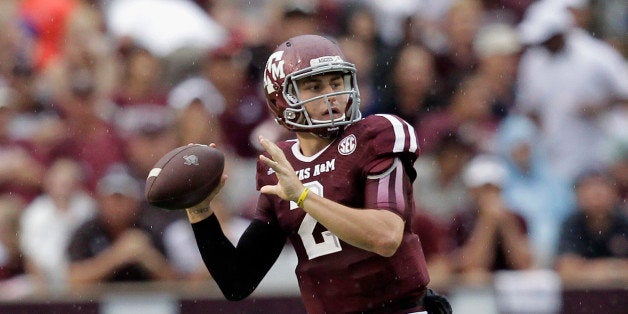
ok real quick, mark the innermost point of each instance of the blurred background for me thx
(521, 108)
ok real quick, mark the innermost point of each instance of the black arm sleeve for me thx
(238, 270)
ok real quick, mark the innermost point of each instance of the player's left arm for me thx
(372, 229)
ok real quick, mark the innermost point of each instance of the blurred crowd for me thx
(521, 108)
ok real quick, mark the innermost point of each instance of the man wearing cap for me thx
(568, 83)
(488, 236)
(117, 245)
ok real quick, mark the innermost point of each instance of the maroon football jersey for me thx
(368, 166)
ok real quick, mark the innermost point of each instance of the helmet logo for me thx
(347, 145)
(274, 71)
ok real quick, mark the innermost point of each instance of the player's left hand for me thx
(289, 186)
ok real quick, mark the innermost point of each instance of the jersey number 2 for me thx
(330, 243)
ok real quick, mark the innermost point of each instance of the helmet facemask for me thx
(296, 117)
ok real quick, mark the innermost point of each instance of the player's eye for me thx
(337, 83)
(311, 86)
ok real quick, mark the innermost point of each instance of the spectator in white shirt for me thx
(566, 83)
(48, 222)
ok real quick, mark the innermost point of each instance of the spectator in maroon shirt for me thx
(27, 128)
(89, 138)
(227, 69)
(142, 83)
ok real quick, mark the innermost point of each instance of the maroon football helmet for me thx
(301, 57)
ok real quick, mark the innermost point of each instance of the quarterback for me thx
(341, 192)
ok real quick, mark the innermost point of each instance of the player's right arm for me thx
(236, 269)
(372, 229)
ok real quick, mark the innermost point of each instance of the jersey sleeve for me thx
(238, 269)
(390, 137)
(391, 190)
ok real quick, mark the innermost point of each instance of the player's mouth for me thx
(334, 112)
(327, 116)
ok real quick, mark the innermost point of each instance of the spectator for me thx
(469, 114)
(457, 59)
(199, 106)
(141, 81)
(86, 54)
(411, 91)
(35, 122)
(531, 188)
(117, 245)
(297, 18)
(439, 188)
(362, 55)
(226, 68)
(566, 83)
(365, 48)
(148, 132)
(20, 172)
(593, 247)
(498, 50)
(49, 221)
(182, 252)
(88, 136)
(390, 17)
(285, 20)
(488, 236)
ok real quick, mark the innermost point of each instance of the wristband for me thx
(302, 197)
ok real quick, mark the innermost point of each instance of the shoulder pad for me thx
(389, 134)
(386, 137)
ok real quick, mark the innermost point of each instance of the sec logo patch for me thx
(347, 145)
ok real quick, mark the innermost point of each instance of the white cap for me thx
(543, 20)
(496, 39)
(118, 181)
(484, 169)
(145, 119)
(197, 88)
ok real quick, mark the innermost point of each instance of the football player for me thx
(341, 192)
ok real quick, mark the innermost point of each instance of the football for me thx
(184, 177)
